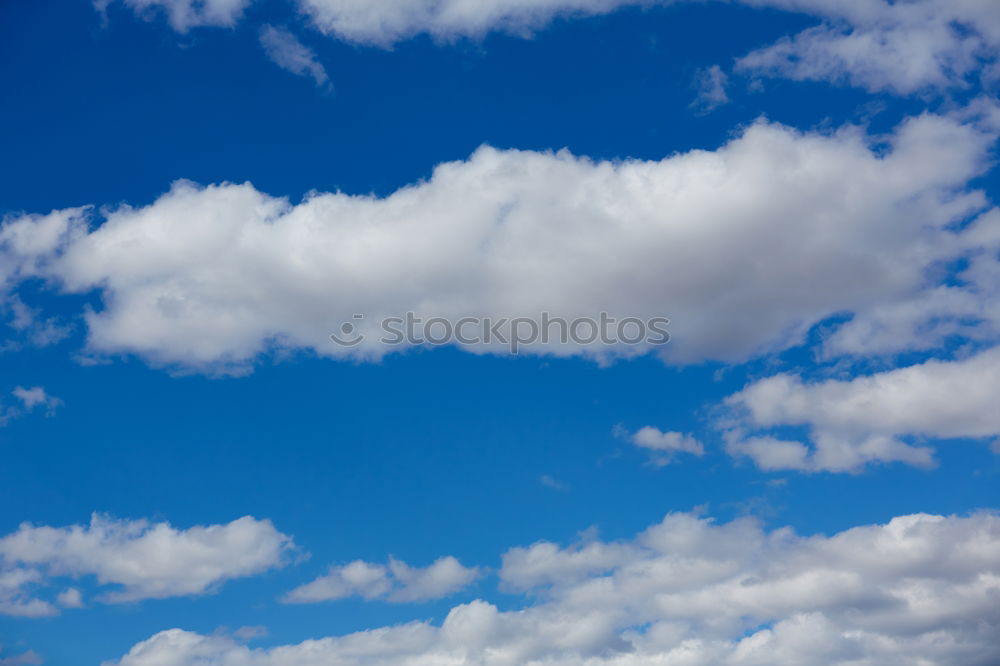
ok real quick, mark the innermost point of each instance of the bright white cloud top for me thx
(141, 560)
(688, 592)
(744, 248)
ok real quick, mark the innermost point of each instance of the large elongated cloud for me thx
(866, 419)
(140, 559)
(744, 248)
(919, 590)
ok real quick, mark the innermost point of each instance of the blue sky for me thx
(193, 472)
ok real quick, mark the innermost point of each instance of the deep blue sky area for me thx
(424, 453)
(115, 113)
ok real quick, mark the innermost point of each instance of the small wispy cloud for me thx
(287, 52)
(711, 84)
(30, 399)
(663, 446)
(554, 483)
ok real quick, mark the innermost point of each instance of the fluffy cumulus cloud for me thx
(865, 419)
(920, 589)
(141, 560)
(744, 248)
(903, 47)
(663, 446)
(185, 14)
(288, 53)
(397, 582)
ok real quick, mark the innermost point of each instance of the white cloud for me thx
(37, 330)
(665, 444)
(397, 582)
(29, 399)
(29, 658)
(967, 309)
(743, 248)
(35, 397)
(288, 53)
(70, 598)
(384, 23)
(186, 14)
(863, 420)
(711, 84)
(551, 482)
(901, 47)
(143, 560)
(881, 45)
(918, 590)
(15, 583)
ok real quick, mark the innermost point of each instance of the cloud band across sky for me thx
(690, 592)
(743, 248)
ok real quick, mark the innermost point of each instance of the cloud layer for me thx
(919, 590)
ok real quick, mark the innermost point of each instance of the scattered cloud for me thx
(665, 445)
(70, 598)
(183, 15)
(397, 582)
(880, 45)
(917, 589)
(863, 420)
(883, 46)
(711, 84)
(28, 400)
(142, 560)
(383, 24)
(553, 483)
(287, 52)
(32, 327)
(29, 658)
(249, 633)
(35, 397)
